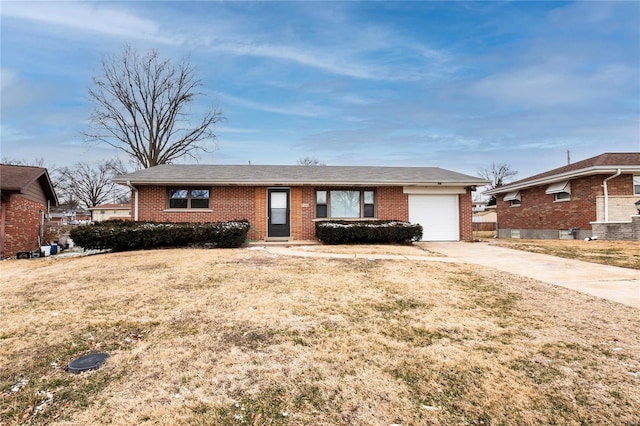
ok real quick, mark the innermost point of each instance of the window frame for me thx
(513, 198)
(325, 208)
(561, 191)
(636, 184)
(189, 198)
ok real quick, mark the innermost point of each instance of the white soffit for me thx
(426, 190)
(558, 187)
(510, 196)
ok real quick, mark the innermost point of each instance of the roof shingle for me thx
(295, 175)
(599, 164)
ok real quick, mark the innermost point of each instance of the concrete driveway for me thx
(620, 285)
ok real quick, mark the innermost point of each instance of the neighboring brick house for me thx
(593, 197)
(284, 202)
(110, 212)
(27, 194)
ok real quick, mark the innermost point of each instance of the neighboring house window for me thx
(561, 190)
(341, 204)
(180, 198)
(513, 198)
(636, 185)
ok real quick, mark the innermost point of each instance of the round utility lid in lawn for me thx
(87, 362)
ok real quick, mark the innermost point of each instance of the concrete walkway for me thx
(620, 285)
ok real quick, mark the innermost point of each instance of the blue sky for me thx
(450, 84)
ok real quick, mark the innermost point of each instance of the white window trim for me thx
(636, 183)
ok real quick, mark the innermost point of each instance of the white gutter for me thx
(135, 203)
(302, 183)
(560, 177)
(606, 194)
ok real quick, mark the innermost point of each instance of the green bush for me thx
(119, 235)
(367, 232)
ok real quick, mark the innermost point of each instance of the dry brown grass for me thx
(246, 337)
(625, 254)
(398, 250)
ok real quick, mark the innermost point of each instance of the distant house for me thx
(285, 202)
(27, 195)
(62, 216)
(593, 197)
(110, 211)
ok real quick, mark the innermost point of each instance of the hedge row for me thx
(119, 235)
(374, 232)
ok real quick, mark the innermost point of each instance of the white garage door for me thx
(438, 215)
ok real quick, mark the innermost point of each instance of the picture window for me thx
(345, 204)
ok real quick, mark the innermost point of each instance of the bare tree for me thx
(498, 174)
(37, 162)
(91, 185)
(140, 107)
(310, 161)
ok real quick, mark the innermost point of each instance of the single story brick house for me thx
(591, 198)
(284, 202)
(27, 195)
(110, 212)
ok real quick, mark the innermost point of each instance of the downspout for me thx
(135, 203)
(606, 194)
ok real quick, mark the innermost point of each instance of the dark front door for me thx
(279, 224)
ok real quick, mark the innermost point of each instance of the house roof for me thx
(16, 179)
(254, 175)
(607, 163)
(111, 207)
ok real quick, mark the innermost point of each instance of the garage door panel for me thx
(438, 215)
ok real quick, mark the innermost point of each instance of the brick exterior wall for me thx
(21, 225)
(238, 202)
(392, 203)
(539, 216)
(226, 203)
(465, 215)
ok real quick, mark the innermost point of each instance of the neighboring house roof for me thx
(607, 163)
(175, 174)
(16, 179)
(111, 207)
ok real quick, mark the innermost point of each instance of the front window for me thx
(561, 196)
(182, 198)
(636, 185)
(345, 204)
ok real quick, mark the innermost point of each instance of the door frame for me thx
(285, 231)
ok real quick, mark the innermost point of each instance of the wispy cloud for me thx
(307, 109)
(546, 86)
(95, 17)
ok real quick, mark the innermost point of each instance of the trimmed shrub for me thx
(119, 235)
(367, 232)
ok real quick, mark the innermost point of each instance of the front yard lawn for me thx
(625, 254)
(247, 337)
